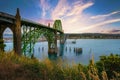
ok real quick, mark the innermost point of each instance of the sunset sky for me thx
(77, 16)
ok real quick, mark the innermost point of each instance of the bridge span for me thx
(26, 33)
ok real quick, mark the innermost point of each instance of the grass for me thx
(13, 67)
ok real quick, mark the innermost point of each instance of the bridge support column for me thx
(52, 51)
(2, 28)
(55, 42)
(61, 44)
(17, 34)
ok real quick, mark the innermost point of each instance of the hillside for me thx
(93, 36)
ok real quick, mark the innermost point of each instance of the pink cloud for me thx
(60, 10)
(105, 15)
(71, 15)
(73, 18)
(112, 31)
(45, 6)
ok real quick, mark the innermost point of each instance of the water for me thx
(97, 47)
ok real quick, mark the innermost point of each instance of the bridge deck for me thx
(37, 25)
(5, 17)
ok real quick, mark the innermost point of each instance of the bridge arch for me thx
(14, 23)
(31, 34)
(17, 22)
(8, 38)
(10, 27)
(2, 30)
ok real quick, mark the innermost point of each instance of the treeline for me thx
(13, 67)
(93, 36)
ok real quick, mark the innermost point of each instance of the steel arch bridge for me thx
(26, 33)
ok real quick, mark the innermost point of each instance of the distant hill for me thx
(93, 36)
(83, 36)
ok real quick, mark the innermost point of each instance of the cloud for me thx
(45, 7)
(71, 14)
(78, 9)
(60, 10)
(73, 18)
(105, 15)
(112, 31)
(64, 10)
(100, 24)
(91, 25)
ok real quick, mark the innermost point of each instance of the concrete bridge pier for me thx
(17, 34)
(52, 49)
(61, 45)
(2, 45)
(55, 42)
(16, 29)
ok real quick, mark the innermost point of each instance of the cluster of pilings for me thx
(40, 49)
(75, 50)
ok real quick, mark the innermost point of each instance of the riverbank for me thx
(13, 67)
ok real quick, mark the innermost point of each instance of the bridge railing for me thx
(37, 25)
(2, 14)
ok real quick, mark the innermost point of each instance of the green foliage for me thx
(2, 45)
(14, 67)
(109, 64)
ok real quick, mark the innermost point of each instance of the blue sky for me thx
(77, 16)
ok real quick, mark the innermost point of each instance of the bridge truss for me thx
(31, 34)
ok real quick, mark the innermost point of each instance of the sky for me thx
(77, 16)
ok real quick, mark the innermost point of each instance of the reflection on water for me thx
(97, 47)
(52, 56)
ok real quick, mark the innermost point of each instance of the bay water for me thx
(95, 47)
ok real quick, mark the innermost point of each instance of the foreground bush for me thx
(13, 67)
(110, 64)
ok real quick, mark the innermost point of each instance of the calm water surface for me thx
(97, 47)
